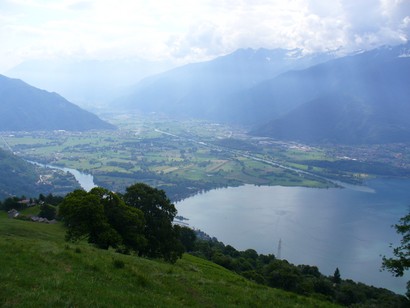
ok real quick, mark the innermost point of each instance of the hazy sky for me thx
(192, 30)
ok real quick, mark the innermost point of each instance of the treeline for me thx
(355, 166)
(180, 189)
(302, 279)
(236, 144)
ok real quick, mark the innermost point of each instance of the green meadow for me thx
(39, 269)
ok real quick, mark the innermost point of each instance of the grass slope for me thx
(38, 268)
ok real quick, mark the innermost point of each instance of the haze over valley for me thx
(278, 128)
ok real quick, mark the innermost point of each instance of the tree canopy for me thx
(162, 237)
(401, 260)
(139, 221)
(103, 218)
(84, 215)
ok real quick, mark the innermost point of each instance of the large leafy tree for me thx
(103, 219)
(162, 237)
(84, 217)
(127, 221)
(401, 260)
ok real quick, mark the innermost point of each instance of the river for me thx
(85, 180)
(347, 228)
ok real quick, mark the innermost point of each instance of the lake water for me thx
(346, 228)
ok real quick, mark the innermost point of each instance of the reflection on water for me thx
(345, 228)
(86, 180)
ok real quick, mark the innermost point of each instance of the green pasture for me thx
(39, 269)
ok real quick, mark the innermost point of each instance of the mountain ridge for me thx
(356, 99)
(87, 83)
(203, 89)
(255, 88)
(24, 107)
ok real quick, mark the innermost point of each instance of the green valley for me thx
(185, 157)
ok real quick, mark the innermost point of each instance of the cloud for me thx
(194, 30)
(372, 23)
(315, 25)
(81, 5)
(202, 40)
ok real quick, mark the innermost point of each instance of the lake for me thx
(346, 228)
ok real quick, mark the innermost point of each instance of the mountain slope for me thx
(18, 177)
(23, 107)
(39, 268)
(338, 118)
(357, 99)
(205, 90)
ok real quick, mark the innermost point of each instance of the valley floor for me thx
(186, 157)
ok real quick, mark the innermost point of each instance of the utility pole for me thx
(279, 256)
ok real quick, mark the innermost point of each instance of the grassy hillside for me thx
(38, 268)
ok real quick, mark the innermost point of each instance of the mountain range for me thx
(26, 108)
(360, 98)
(284, 94)
(357, 99)
(206, 89)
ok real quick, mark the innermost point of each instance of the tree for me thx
(103, 218)
(41, 197)
(140, 221)
(84, 216)
(47, 211)
(12, 203)
(281, 274)
(187, 237)
(127, 221)
(401, 260)
(159, 212)
(336, 276)
(53, 200)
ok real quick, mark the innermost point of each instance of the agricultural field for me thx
(181, 157)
